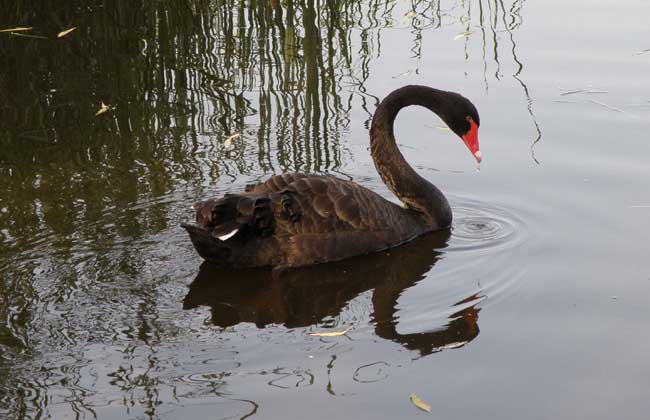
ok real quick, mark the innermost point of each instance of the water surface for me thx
(534, 306)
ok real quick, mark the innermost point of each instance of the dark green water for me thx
(535, 306)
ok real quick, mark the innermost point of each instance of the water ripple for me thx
(481, 226)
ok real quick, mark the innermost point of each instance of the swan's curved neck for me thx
(416, 192)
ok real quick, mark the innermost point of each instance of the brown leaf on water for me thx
(229, 139)
(331, 334)
(102, 109)
(18, 29)
(66, 32)
(419, 403)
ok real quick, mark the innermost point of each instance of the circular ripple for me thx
(478, 226)
(486, 254)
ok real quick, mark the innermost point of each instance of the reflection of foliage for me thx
(180, 80)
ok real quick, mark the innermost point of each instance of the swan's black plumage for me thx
(302, 219)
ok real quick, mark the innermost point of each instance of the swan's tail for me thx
(226, 228)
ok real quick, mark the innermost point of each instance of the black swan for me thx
(302, 219)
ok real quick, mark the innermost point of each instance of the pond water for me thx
(534, 306)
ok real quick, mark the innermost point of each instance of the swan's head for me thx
(454, 109)
(462, 118)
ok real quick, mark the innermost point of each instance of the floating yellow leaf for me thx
(419, 403)
(331, 334)
(103, 109)
(19, 29)
(463, 35)
(443, 128)
(410, 14)
(64, 33)
(229, 139)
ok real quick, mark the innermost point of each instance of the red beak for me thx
(471, 140)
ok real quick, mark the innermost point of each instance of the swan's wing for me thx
(323, 218)
(326, 205)
(321, 204)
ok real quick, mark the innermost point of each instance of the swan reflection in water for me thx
(306, 296)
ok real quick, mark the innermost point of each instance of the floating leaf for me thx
(463, 35)
(572, 92)
(20, 34)
(438, 127)
(613, 108)
(589, 91)
(102, 109)
(419, 403)
(410, 14)
(331, 334)
(406, 73)
(18, 29)
(66, 32)
(229, 139)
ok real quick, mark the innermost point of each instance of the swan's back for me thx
(300, 219)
